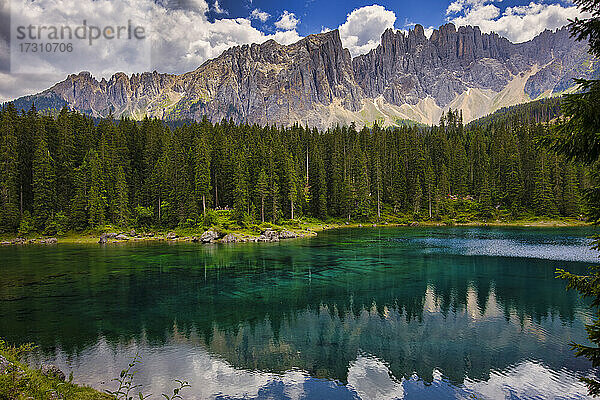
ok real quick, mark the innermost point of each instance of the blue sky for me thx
(316, 14)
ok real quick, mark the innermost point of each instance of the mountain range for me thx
(316, 82)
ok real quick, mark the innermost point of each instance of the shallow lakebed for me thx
(373, 313)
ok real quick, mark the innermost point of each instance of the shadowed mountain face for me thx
(316, 82)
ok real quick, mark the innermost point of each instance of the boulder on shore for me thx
(171, 236)
(269, 235)
(209, 236)
(229, 238)
(287, 235)
(52, 371)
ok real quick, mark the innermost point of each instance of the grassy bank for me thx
(251, 231)
(20, 381)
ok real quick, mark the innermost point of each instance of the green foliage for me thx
(126, 383)
(26, 225)
(22, 382)
(57, 224)
(210, 219)
(577, 137)
(176, 392)
(147, 174)
(588, 286)
(143, 216)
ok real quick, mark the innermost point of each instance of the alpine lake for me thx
(371, 313)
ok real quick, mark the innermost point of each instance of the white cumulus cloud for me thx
(218, 9)
(180, 38)
(518, 24)
(288, 21)
(364, 26)
(262, 16)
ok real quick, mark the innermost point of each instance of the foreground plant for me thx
(127, 387)
(588, 286)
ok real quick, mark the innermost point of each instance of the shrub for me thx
(57, 224)
(143, 216)
(26, 226)
(210, 219)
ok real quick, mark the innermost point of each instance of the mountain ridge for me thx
(316, 82)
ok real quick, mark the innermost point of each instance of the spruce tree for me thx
(202, 170)
(9, 172)
(262, 189)
(97, 193)
(44, 195)
(577, 138)
(363, 201)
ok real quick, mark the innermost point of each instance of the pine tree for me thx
(292, 183)
(202, 169)
(577, 138)
(240, 190)
(262, 189)
(9, 172)
(570, 193)
(121, 200)
(418, 195)
(543, 199)
(97, 193)
(363, 201)
(44, 195)
(79, 204)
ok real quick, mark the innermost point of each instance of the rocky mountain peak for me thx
(315, 81)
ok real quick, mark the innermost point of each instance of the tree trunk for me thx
(430, 202)
(292, 208)
(159, 210)
(262, 208)
(204, 205)
(216, 196)
(378, 207)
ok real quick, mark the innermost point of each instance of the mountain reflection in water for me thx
(354, 313)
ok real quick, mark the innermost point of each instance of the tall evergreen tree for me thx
(9, 172)
(202, 169)
(44, 195)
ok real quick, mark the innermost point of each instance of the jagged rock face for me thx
(316, 82)
(408, 68)
(273, 83)
(121, 94)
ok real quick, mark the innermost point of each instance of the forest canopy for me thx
(70, 172)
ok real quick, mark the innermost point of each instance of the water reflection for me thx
(352, 314)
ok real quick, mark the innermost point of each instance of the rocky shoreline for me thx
(214, 235)
(210, 236)
(22, 241)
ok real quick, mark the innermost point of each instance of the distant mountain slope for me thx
(316, 82)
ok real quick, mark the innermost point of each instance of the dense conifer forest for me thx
(69, 172)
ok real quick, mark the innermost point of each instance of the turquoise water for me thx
(415, 313)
